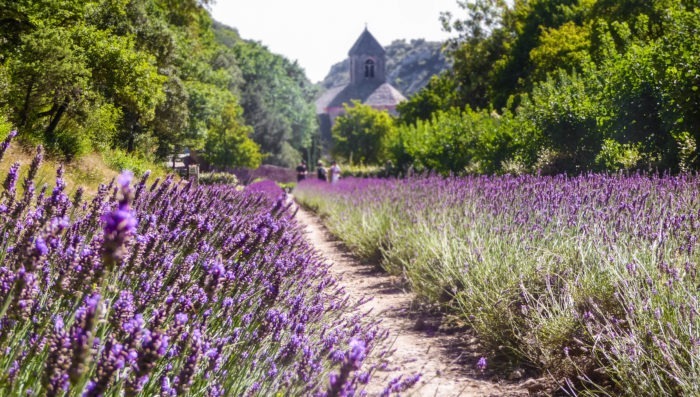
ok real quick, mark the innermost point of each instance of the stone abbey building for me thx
(367, 84)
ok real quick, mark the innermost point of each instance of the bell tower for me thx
(367, 61)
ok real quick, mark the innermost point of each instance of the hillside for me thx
(409, 65)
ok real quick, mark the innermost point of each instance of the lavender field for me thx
(169, 289)
(590, 281)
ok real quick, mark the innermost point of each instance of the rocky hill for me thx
(409, 65)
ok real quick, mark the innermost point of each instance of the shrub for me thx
(362, 135)
(565, 110)
(217, 178)
(615, 156)
(461, 142)
(119, 160)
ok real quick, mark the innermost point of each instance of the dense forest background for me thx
(551, 86)
(150, 78)
(526, 86)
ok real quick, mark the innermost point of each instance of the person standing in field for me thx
(321, 171)
(335, 172)
(301, 171)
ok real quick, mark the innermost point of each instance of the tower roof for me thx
(366, 44)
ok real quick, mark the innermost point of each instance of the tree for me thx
(438, 95)
(481, 42)
(362, 134)
(228, 144)
(277, 99)
(127, 76)
(70, 76)
(566, 47)
(567, 111)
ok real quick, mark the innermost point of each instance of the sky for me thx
(319, 33)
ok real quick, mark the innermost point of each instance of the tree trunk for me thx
(49, 133)
(24, 114)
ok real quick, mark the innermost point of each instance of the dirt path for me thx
(446, 362)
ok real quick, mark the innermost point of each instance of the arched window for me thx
(369, 68)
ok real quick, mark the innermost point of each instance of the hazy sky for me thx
(319, 33)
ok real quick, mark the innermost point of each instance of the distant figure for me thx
(335, 172)
(389, 169)
(301, 171)
(321, 171)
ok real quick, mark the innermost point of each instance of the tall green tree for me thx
(65, 70)
(439, 95)
(591, 85)
(228, 144)
(362, 135)
(277, 99)
(143, 75)
(481, 41)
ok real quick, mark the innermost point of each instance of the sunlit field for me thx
(591, 280)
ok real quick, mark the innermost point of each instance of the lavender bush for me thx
(169, 289)
(593, 280)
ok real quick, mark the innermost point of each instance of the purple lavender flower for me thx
(112, 360)
(165, 387)
(6, 143)
(82, 334)
(11, 180)
(119, 224)
(40, 247)
(214, 270)
(399, 384)
(55, 376)
(188, 370)
(481, 364)
(180, 319)
(153, 347)
(123, 309)
(58, 202)
(357, 353)
(34, 167)
(339, 382)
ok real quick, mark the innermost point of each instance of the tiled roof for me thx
(385, 95)
(325, 100)
(372, 94)
(366, 44)
(360, 92)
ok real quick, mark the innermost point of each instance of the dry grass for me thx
(88, 171)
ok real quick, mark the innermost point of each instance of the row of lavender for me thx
(168, 289)
(592, 280)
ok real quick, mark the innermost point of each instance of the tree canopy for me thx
(584, 84)
(148, 76)
(362, 134)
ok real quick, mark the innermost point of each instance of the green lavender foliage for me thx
(590, 280)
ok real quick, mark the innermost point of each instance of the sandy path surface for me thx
(446, 362)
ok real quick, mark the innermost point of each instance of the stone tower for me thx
(367, 60)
